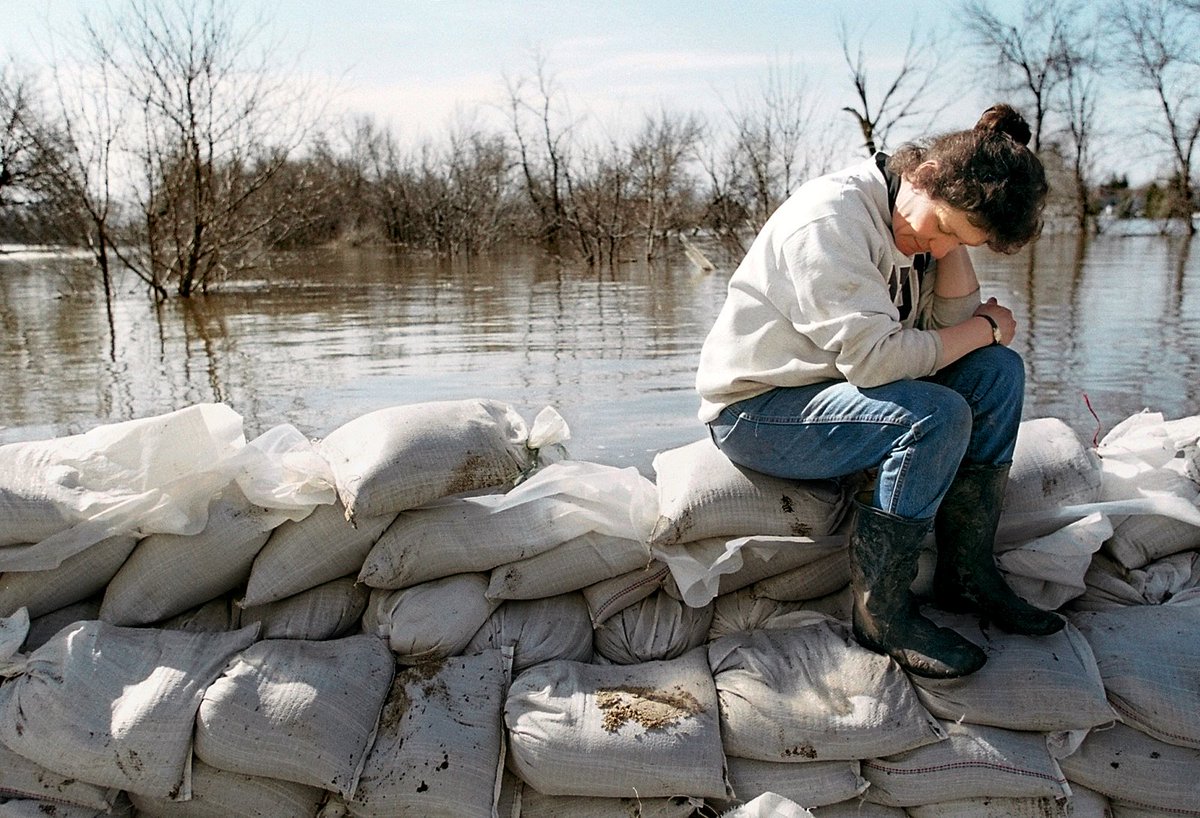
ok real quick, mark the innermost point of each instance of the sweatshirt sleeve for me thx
(840, 301)
(944, 312)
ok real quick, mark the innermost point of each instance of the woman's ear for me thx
(921, 174)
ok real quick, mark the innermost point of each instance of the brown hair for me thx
(988, 172)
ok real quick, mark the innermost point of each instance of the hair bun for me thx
(1003, 118)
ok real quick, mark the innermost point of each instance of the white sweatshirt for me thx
(816, 299)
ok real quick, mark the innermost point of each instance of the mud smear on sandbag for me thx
(651, 708)
(399, 701)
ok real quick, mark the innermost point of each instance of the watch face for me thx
(996, 335)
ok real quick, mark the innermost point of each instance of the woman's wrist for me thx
(995, 338)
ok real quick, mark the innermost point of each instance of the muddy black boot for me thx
(883, 564)
(966, 578)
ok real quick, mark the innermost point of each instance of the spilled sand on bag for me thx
(651, 708)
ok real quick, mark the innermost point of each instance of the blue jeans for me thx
(916, 432)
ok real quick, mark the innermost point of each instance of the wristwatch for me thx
(997, 338)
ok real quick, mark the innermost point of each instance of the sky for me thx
(418, 65)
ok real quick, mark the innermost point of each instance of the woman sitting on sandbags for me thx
(853, 338)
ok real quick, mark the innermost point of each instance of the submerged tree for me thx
(1030, 55)
(207, 126)
(1049, 59)
(542, 137)
(1158, 40)
(18, 127)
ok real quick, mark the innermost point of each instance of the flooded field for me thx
(324, 337)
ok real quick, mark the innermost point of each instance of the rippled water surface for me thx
(324, 337)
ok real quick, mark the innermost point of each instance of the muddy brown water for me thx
(323, 337)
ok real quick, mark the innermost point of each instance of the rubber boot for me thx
(966, 578)
(883, 564)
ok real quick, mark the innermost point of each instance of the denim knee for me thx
(948, 419)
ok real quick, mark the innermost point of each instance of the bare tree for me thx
(776, 144)
(1031, 55)
(79, 150)
(903, 97)
(215, 122)
(18, 129)
(542, 147)
(662, 188)
(1158, 40)
(1081, 94)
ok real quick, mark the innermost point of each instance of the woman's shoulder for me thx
(856, 192)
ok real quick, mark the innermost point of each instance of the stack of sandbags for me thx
(182, 715)
(465, 630)
(1149, 659)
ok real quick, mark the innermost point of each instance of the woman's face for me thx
(921, 224)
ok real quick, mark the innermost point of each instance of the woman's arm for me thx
(976, 332)
(955, 275)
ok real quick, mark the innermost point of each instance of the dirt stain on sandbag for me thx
(801, 751)
(398, 700)
(473, 473)
(651, 708)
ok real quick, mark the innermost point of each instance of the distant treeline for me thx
(169, 145)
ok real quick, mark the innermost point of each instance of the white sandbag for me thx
(1149, 659)
(858, 808)
(534, 804)
(214, 616)
(1173, 580)
(220, 794)
(1144, 443)
(324, 612)
(146, 476)
(1124, 809)
(14, 630)
(47, 485)
(439, 751)
(402, 457)
(812, 693)
(22, 778)
(46, 626)
(812, 581)
(1143, 538)
(302, 554)
(538, 630)
(559, 503)
(297, 711)
(31, 808)
(114, 706)
(1038, 683)
(169, 573)
(432, 620)
(974, 762)
(702, 494)
(1049, 571)
(1050, 468)
(577, 563)
(704, 569)
(815, 784)
(768, 805)
(1123, 763)
(839, 605)
(649, 730)
(609, 596)
(743, 611)
(658, 627)
(77, 578)
(1082, 803)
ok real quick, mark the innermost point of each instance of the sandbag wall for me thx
(437, 642)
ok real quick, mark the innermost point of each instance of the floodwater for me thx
(324, 337)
